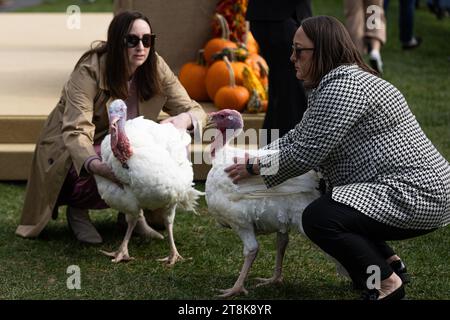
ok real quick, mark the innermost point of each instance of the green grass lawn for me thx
(36, 269)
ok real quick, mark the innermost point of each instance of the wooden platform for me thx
(18, 135)
(15, 160)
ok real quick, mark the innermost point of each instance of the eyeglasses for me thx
(298, 51)
(132, 40)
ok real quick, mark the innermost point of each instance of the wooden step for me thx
(26, 128)
(20, 129)
(15, 160)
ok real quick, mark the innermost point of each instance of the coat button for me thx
(50, 161)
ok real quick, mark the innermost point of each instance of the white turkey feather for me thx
(160, 172)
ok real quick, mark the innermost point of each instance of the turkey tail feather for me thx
(189, 202)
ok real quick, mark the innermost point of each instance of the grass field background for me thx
(36, 269)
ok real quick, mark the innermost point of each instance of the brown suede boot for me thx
(81, 226)
(141, 229)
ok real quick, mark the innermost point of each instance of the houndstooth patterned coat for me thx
(359, 132)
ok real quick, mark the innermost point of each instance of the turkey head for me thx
(229, 125)
(120, 145)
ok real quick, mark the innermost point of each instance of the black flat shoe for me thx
(400, 269)
(373, 294)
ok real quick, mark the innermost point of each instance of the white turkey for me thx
(249, 208)
(151, 162)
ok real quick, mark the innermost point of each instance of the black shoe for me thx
(400, 269)
(414, 43)
(373, 294)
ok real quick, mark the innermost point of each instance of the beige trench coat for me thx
(78, 121)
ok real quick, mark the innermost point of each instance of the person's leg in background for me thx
(406, 13)
(367, 39)
(354, 13)
(375, 34)
(303, 10)
(406, 24)
(287, 98)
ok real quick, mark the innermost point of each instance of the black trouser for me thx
(287, 97)
(354, 239)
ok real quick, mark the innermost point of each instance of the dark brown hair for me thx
(116, 68)
(332, 47)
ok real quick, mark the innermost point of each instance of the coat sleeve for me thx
(178, 99)
(77, 127)
(338, 106)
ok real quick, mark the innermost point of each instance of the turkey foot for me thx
(172, 259)
(267, 281)
(231, 292)
(119, 255)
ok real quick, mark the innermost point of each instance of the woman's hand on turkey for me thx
(102, 169)
(238, 170)
(182, 121)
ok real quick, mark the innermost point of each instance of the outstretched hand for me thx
(238, 170)
(182, 121)
(102, 169)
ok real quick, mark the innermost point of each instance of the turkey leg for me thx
(122, 253)
(282, 242)
(174, 256)
(250, 251)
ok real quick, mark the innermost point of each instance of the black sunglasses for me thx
(298, 51)
(132, 40)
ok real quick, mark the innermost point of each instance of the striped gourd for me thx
(251, 82)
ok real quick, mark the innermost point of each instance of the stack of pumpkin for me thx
(230, 73)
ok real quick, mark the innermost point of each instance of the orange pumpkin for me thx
(218, 76)
(238, 67)
(231, 96)
(235, 56)
(218, 44)
(192, 76)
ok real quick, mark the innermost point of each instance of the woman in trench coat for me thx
(126, 66)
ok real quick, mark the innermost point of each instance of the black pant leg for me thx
(384, 249)
(351, 237)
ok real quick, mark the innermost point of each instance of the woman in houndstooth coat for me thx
(386, 180)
